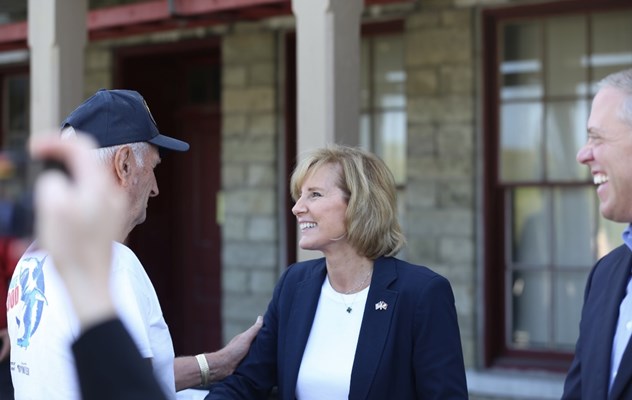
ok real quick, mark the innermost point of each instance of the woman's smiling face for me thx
(320, 210)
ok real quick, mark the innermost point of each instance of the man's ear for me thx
(123, 159)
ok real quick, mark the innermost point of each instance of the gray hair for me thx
(106, 154)
(621, 80)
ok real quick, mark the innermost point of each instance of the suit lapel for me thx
(304, 304)
(376, 323)
(620, 275)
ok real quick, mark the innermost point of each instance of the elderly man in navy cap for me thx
(42, 326)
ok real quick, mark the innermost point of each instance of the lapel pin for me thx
(381, 306)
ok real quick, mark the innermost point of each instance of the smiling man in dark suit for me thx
(602, 367)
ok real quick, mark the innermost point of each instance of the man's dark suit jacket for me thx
(589, 374)
(409, 350)
(110, 366)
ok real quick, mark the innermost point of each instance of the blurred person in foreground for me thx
(12, 245)
(41, 326)
(69, 207)
(358, 323)
(9, 256)
(602, 367)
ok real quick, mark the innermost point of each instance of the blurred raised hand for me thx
(79, 214)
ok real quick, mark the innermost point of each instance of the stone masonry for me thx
(249, 137)
(440, 188)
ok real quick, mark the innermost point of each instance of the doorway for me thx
(180, 243)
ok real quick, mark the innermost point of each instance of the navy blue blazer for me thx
(589, 374)
(410, 350)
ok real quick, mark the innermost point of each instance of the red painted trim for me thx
(151, 16)
(130, 14)
(13, 32)
(196, 7)
(13, 36)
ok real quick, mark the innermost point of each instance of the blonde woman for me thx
(357, 323)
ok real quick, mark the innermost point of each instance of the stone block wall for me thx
(98, 66)
(440, 190)
(250, 231)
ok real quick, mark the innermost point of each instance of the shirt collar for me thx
(627, 236)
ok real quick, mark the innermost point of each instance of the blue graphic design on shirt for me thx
(33, 297)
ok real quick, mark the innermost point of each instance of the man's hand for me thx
(6, 345)
(223, 362)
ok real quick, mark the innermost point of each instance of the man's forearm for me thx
(188, 372)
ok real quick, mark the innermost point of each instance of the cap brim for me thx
(169, 143)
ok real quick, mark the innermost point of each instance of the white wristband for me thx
(204, 369)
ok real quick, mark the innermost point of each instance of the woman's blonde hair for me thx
(371, 217)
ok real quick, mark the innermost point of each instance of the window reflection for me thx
(520, 141)
(565, 131)
(569, 290)
(383, 101)
(565, 74)
(521, 67)
(531, 309)
(610, 43)
(531, 227)
(574, 210)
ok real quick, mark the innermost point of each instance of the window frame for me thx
(494, 295)
(372, 30)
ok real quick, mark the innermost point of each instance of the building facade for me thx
(478, 107)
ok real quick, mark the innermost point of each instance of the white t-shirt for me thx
(325, 371)
(43, 326)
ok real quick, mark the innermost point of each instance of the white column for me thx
(328, 75)
(56, 37)
(328, 71)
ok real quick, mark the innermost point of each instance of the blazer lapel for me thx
(620, 275)
(304, 304)
(376, 323)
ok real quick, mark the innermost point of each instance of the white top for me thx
(325, 372)
(42, 325)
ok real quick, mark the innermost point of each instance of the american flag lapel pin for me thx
(381, 306)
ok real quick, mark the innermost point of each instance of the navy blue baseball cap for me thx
(116, 117)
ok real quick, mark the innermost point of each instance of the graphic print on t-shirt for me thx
(27, 289)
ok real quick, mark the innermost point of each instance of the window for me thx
(12, 11)
(542, 216)
(15, 110)
(383, 97)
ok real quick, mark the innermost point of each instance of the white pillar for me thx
(56, 37)
(328, 71)
(328, 75)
